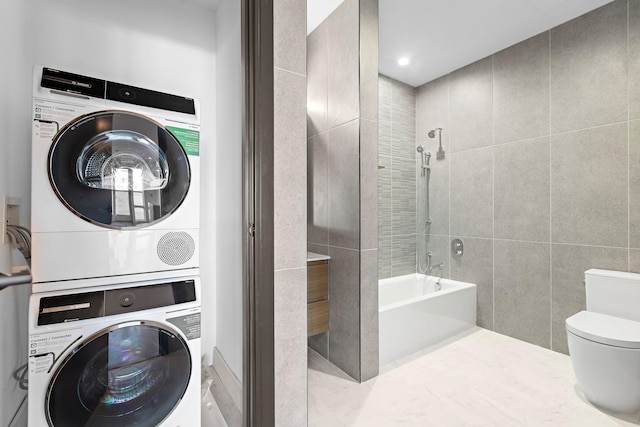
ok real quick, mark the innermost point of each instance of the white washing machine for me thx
(116, 356)
(115, 179)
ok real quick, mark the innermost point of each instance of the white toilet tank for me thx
(615, 293)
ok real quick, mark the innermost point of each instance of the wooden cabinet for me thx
(317, 297)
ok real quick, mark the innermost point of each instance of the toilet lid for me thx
(605, 329)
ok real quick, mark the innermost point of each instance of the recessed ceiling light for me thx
(403, 61)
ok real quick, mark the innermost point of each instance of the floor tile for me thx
(477, 378)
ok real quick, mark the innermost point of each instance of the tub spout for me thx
(438, 266)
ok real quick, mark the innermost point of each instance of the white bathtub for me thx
(415, 313)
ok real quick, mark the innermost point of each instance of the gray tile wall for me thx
(541, 178)
(369, 343)
(290, 212)
(342, 218)
(397, 207)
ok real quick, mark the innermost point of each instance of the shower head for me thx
(432, 133)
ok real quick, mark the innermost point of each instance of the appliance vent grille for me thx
(176, 248)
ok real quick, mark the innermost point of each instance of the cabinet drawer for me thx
(317, 317)
(317, 281)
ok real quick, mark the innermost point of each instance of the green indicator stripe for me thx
(188, 138)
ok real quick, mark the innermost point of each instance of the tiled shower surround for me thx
(541, 176)
(396, 178)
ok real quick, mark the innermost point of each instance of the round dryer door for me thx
(130, 375)
(118, 169)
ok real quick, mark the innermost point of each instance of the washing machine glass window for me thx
(131, 375)
(118, 169)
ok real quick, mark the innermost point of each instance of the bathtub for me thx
(416, 312)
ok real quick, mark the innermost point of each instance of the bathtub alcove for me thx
(417, 311)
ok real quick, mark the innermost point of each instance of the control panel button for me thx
(127, 299)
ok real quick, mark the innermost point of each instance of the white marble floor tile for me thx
(478, 378)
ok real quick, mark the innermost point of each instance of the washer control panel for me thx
(90, 305)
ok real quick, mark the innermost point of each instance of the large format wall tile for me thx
(568, 264)
(317, 84)
(344, 187)
(317, 190)
(289, 23)
(290, 352)
(432, 111)
(634, 260)
(589, 187)
(634, 184)
(369, 347)
(290, 213)
(343, 64)
(471, 189)
(439, 248)
(522, 290)
(521, 90)
(634, 59)
(476, 266)
(589, 69)
(368, 184)
(344, 310)
(369, 59)
(471, 92)
(290, 170)
(438, 194)
(521, 175)
(320, 343)
(350, 77)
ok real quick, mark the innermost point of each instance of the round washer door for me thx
(131, 375)
(118, 169)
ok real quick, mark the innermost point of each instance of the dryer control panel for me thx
(83, 85)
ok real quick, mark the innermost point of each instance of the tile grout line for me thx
(537, 242)
(290, 71)
(391, 169)
(628, 139)
(550, 201)
(421, 237)
(328, 140)
(415, 140)
(449, 122)
(493, 187)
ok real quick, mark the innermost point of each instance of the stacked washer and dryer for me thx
(114, 320)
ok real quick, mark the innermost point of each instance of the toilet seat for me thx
(605, 329)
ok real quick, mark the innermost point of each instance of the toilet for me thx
(604, 341)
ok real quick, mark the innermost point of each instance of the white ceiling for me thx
(318, 11)
(440, 36)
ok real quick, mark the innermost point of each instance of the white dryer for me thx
(115, 179)
(116, 355)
